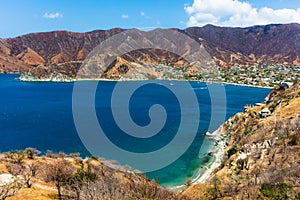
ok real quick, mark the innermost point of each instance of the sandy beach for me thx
(218, 154)
(217, 151)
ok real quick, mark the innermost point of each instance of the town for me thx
(263, 75)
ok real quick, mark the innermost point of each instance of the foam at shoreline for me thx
(217, 150)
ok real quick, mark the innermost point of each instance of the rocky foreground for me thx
(23, 175)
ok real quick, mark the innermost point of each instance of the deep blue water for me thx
(39, 115)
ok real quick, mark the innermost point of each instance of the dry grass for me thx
(272, 158)
(34, 194)
(197, 190)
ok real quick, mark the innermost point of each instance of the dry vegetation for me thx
(263, 154)
(60, 176)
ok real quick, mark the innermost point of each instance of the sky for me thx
(18, 17)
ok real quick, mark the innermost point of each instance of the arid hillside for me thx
(62, 52)
(23, 175)
(263, 152)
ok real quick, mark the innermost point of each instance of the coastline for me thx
(244, 85)
(217, 151)
(62, 80)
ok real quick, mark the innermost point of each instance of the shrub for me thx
(94, 158)
(298, 196)
(233, 150)
(294, 140)
(15, 156)
(248, 130)
(31, 152)
(275, 191)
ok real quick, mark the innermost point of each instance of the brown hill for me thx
(263, 153)
(58, 176)
(274, 43)
(279, 44)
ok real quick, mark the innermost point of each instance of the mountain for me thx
(63, 52)
(275, 43)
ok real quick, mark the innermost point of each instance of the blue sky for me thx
(20, 17)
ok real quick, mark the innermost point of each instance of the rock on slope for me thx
(263, 153)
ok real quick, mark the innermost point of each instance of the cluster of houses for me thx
(264, 75)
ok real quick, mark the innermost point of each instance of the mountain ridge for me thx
(250, 46)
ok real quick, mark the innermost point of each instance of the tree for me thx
(81, 179)
(31, 152)
(60, 172)
(9, 189)
(27, 172)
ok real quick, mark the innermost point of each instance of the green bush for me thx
(275, 191)
(294, 140)
(248, 129)
(31, 152)
(15, 156)
(298, 196)
(233, 150)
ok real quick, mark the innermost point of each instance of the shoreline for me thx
(203, 173)
(72, 80)
(217, 151)
(245, 85)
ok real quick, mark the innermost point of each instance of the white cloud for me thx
(52, 15)
(124, 16)
(143, 14)
(236, 13)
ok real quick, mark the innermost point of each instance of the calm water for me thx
(40, 115)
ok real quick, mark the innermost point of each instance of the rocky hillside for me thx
(23, 175)
(253, 45)
(62, 52)
(262, 158)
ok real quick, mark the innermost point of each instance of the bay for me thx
(40, 115)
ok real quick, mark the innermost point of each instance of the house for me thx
(265, 112)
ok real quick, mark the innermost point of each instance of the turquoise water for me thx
(39, 115)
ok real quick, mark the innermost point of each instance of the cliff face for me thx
(227, 46)
(263, 152)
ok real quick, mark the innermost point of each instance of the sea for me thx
(40, 115)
